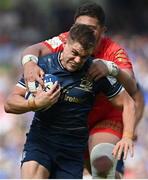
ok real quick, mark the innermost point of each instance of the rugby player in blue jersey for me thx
(58, 135)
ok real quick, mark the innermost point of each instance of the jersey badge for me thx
(85, 85)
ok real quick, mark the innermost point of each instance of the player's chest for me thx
(76, 89)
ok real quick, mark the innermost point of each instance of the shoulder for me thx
(112, 51)
(49, 56)
(56, 43)
(63, 36)
(110, 44)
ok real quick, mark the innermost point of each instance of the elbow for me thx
(7, 108)
(133, 89)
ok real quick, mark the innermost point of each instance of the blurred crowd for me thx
(137, 48)
(18, 29)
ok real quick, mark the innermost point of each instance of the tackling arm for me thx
(139, 102)
(101, 68)
(30, 56)
(32, 71)
(38, 49)
(127, 79)
(124, 101)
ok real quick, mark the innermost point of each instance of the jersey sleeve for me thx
(21, 83)
(119, 56)
(110, 86)
(55, 44)
(112, 51)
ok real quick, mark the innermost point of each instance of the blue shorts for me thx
(62, 153)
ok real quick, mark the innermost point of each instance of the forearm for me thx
(139, 102)
(32, 72)
(129, 119)
(126, 143)
(125, 77)
(128, 81)
(16, 104)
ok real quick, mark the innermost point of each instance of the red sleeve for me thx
(111, 51)
(55, 44)
(120, 57)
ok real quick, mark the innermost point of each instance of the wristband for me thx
(29, 57)
(31, 104)
(127, 134)
(112, 68)
(32, 86)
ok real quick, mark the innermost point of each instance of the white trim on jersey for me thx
(111, 79)
(21, 85)
(121, 89)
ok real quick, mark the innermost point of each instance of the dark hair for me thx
(91, 9)
(84, 35)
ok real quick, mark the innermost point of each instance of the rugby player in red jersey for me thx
(105, 121)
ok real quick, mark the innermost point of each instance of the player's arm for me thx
(38, 49)
(121, 99)
(126, 75)
(127, 79)
(16, 102)
(30, 56)
(139, 102)
(100, 68)
(124, 101)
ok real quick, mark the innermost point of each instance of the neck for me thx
(98, 46)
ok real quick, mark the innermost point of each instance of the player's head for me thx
(83, 35)
(80, 44)
(92, 15)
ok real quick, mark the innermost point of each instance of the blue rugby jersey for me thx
(77, 95)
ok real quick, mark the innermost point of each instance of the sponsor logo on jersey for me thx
(72, 99)
(66, 96)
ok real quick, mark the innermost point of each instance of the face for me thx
(92, 23)
(73, 56)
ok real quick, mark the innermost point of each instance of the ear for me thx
(104, 29)
(64, 44)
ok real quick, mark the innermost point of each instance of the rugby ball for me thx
(48, 79)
